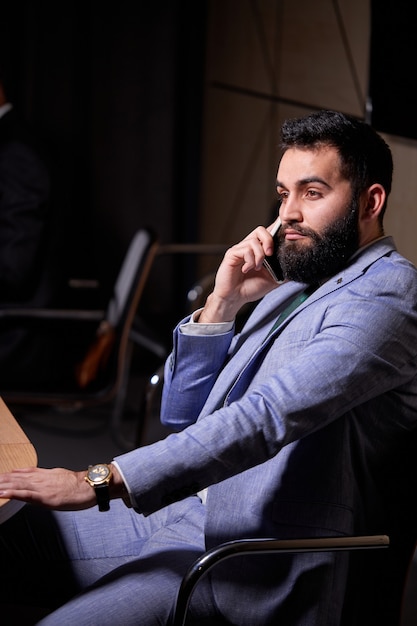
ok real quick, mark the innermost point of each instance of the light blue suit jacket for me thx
(298, 432)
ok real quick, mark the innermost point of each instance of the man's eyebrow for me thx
(306, 181)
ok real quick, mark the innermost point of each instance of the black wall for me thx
(392, 90)
(116, 90)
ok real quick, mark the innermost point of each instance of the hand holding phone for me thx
(271, 263)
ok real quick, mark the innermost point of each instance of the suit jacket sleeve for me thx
(183, 395)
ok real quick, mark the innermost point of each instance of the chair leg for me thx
(150, 403)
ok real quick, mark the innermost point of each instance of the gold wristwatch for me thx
(99, 476)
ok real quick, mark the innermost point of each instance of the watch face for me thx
(98, 473)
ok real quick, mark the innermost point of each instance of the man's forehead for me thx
(304, 164)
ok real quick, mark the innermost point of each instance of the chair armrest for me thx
(264, 546)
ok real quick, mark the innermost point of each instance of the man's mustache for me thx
(306, 232)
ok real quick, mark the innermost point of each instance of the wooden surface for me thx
(15, 451)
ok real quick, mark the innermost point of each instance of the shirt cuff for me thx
(129, 493)
(194, 328)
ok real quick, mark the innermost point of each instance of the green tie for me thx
(292, 306)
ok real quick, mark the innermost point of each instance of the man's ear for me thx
(375, 197)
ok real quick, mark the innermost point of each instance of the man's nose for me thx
(290, 211)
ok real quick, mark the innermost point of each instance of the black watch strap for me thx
(103, 497)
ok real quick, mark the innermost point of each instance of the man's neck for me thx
(366, 245)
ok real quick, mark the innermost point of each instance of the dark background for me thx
(115, 92)
(393, 52)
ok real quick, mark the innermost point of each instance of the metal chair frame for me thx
(240, 547)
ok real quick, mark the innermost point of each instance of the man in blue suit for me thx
(303, 424)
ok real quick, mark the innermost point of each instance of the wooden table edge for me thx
(15, 451)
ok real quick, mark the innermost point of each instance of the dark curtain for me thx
(116, 92)
(393, 98)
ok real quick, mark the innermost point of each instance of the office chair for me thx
(377, 579)
(99, 368)
(241, 547)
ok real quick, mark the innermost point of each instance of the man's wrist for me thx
(118, 487)
(107, 483)
(98, 476)
(216, 311)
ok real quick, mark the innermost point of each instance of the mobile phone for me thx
(271, 262)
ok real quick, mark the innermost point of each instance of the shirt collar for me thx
(360, 250)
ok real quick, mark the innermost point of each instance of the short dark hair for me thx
(365, 157)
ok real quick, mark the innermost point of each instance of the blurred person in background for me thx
(28, 275)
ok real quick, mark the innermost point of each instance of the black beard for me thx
(326, 255)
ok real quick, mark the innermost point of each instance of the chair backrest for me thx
(132, 277)
(128, 290)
